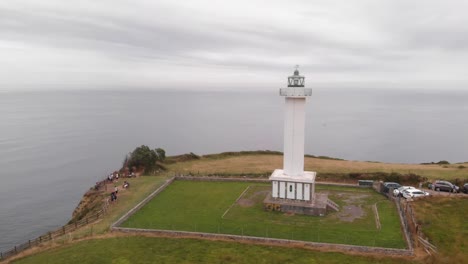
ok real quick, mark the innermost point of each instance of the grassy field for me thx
(200, 206)
(444, 221)
(134, 249)
(265, 164)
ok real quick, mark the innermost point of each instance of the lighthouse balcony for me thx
(296, 92)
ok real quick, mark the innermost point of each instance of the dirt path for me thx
(377, 218)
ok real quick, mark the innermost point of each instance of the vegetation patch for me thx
(199, 206)
(262, 165)
(182, 158)
(145, 159)
(242, 153)
(443, 220)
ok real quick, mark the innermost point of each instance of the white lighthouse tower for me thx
(293, 189)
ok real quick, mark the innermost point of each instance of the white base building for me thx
(300, 188)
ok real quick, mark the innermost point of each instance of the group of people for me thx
(115, 176)
(113, 194)
(112, 176)
(126, 184)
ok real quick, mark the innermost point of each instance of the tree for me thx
(126, 160)
(161, 154)
(143, 156)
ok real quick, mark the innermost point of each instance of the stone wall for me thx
(316, 211)
(270, 241)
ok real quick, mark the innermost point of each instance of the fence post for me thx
(16, 250)
(63, 229)
(29, 243)
(50, 236)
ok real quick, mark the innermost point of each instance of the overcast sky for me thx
(244, 44)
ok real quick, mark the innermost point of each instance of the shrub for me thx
(144, 157)
(161, 154)
(182, 158)
(393, 177)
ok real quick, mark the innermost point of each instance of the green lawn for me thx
(199, 206)
(133, 249)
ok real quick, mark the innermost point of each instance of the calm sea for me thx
(55, 145)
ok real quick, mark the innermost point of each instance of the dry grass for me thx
(443, 221)
(258, 164)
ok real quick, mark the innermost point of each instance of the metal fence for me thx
(414, 236)
(401, 205)
(296, 231)
(412, 227)
(406, 224)
(50, 236)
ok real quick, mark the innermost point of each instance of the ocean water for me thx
(56, 145)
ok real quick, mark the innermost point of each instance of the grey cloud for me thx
(363, 41)
(443, 39)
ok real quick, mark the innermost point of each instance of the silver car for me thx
(414, 193)
(398, 192)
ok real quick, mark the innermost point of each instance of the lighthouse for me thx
(292, 188)
(294, 124)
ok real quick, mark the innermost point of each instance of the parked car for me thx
(445, 186)
(398, 192)
(388, 185)
(465, 188)
(414, 193)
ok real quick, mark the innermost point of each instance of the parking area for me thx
(441, 193)
(392, 189)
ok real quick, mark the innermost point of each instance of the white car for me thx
(413, 193)
(398, 192)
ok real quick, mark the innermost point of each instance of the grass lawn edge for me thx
(346, 248)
